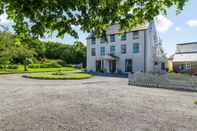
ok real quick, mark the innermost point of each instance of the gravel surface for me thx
(96, 104)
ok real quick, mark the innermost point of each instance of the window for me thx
(136, 48)
(102, 40)
(93, 52)
(123, 49)
(93, 41)
(112, 37)
(188, 66)
(124, 36)
(135, 35)
(102, 51)
(182, 67)
(112, 49)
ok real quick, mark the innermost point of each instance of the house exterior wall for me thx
(192, 70)
(186, 47)
(185, 58)
(142, 61)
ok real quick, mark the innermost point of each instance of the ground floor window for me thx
(128, 65)
(188, 66)
(185, 67)
(163, 66)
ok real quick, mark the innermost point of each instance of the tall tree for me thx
(7, 41)
(24, 53)
(37, 17)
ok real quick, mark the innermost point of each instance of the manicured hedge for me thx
(9, 66)
(48, 65)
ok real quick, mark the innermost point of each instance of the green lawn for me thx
(51, 75)
(34, 70)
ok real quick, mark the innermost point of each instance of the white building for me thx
(122, 52)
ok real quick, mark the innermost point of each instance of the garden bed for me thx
(58, 76)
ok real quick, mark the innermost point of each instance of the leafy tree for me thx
(79, 52)
(37, 17)
(6, 44)
(24, 53)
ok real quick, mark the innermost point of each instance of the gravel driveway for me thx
(96, 104)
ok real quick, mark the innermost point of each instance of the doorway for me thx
(128, 65)
(112, 66)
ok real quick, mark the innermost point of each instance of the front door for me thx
(128, 65)
(98, 65)
(112, 66)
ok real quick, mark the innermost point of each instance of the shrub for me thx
(48, 65)
(12, 67)
(2, 66)
(58, 73)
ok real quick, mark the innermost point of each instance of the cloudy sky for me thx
(172, 28)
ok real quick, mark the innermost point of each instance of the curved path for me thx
(99, 103)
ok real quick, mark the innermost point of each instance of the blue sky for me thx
(172, 28)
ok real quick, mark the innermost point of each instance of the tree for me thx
(6, 44)
(79, 53)
(37, 17)
(24, 53)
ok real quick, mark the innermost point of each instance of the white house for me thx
(122, 52)
(185, 58)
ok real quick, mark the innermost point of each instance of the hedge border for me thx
(45, 78)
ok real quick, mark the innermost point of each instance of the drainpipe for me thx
(145, 51)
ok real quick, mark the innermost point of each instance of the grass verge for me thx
(66, 76)
(35, 70)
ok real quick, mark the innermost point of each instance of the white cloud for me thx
(178, 29)
(192, 23)
(163, 24)
(4, 22)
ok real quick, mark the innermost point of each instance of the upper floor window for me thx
(102, 40)
(93, 52)
(135, 35)
(123, 49)
(112, 49)
(124, 36)
(136, 48)
(112, 38)
(93, 41)
(102, 51)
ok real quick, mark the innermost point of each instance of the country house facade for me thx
(138, 50)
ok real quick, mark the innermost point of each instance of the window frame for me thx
(102, 51)
(112, 50)
(135, 47)
(113, 38)
(123, 49)
(124, 36)
(135, 35)
(93, 53)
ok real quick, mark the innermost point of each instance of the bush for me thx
(12, 67)
(48, 65)
(2, 66)
(58, 73)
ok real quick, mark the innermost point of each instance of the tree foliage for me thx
(37, 51)
(37, 17)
